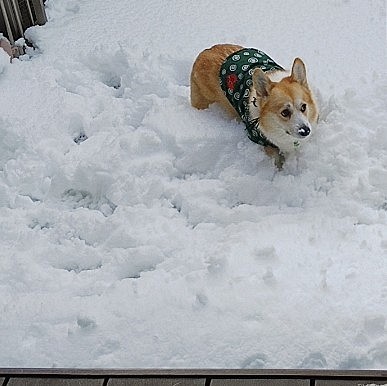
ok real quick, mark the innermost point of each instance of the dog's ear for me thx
(299, 72)
(261, 83)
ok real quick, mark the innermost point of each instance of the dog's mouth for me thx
(296, 143)
(293, 135)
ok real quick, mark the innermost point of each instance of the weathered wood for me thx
(359, 382)
(260, 382)
(189, 377)
(156, 382)
(196, 373)
(55, 382)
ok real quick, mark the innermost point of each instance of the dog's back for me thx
(205, 87)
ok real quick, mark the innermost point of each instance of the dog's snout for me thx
(304, 131)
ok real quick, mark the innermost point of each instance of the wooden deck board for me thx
(358, 382)
(188, 377)
(55, 382)
(156, 382)
(260, 382)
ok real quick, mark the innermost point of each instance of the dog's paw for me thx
(279, 158)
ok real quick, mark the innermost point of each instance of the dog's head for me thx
(287, 109)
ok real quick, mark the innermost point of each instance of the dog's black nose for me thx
(304, 131)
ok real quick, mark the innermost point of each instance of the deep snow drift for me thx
(139, 232)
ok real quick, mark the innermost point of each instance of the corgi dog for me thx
(277, 106)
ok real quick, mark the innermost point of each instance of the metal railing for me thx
(17, 15)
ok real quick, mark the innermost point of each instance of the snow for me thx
(139, 232)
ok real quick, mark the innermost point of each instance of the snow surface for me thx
(139, 232)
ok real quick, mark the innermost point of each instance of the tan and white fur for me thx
(286, 107)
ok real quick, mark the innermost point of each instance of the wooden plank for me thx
(196, 373)
(359, 382)
(260, 382)
(55, 382)
(156, 382)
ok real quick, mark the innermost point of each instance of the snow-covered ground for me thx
(139, 232)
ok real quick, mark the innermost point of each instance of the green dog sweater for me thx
(236, 82)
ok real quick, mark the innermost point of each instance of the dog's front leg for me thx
(274, 152)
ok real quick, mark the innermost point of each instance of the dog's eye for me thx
(286, 113)
(303, 108)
